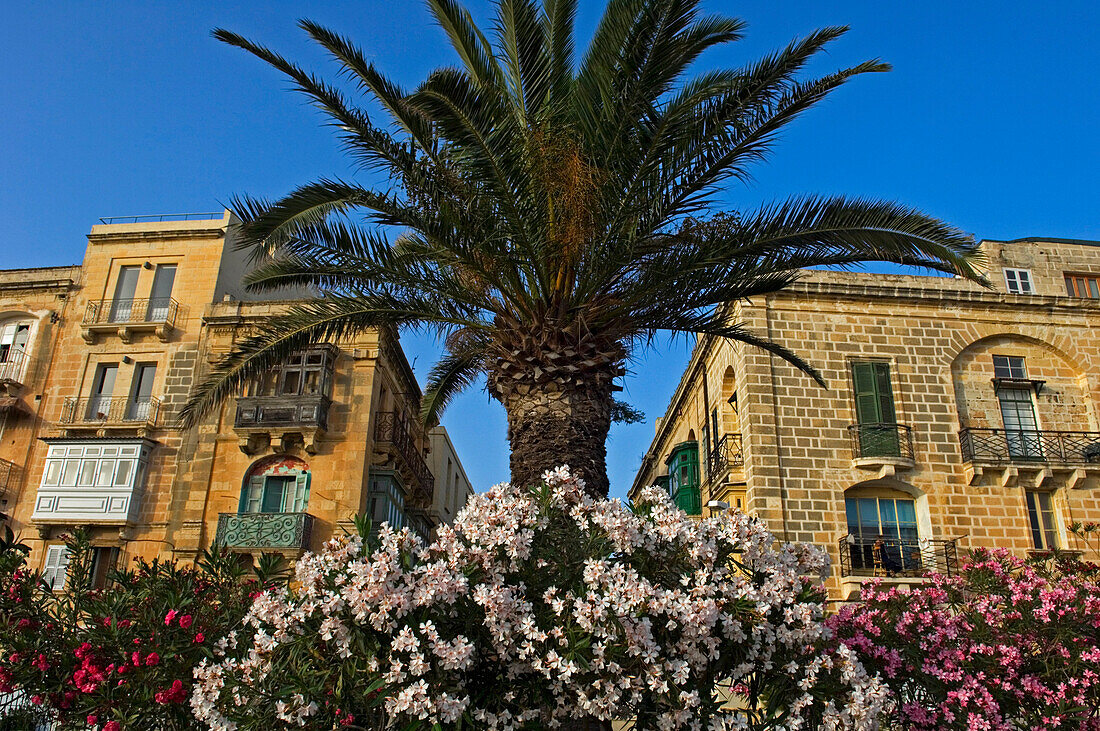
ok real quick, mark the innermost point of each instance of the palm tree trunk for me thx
(560, 425)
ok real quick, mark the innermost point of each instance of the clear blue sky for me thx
(989, 120)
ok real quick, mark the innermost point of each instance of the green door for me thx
(878, 433)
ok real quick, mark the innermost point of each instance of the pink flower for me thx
(200, 637)
(136, 658)
(152, 659)
(185, 621)
(112, 726)
(92, 719)
(36, 700)
(170, 616)
(41, 663)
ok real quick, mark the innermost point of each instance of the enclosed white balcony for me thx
(92, 481)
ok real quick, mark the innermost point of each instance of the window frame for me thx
(1019, 281)
(1044, 535)
(1091, 282)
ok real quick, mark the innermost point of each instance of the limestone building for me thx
(95, 362)
(955, 416)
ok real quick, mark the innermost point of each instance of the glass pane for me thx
(68, 474)
(852, 510)
(1094, 292)
(868, 515)
(907, 511)
(53, 471)
(886, 511)
(291, 381)
(315, 358)
(87, 473)
(106, 473)
(312, 382)
(122, 475)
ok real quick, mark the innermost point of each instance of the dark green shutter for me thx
(875, 405)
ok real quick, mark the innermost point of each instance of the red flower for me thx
(175, 694)
(112, 726)
(200, 637)
(152, 659)
(41, 663)
(36, 700)
(185, 621)
(92, 719)
(170, 616)
(136, 658)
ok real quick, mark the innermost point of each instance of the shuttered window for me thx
(275, 494)
(57, 563)
(874, 397)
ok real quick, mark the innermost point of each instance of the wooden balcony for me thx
(261, 420)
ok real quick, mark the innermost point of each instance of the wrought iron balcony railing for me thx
(99, 410)
(13, 367)
(264, 530)
(158, 310)
(1011, 445)
(881, 440)
(9, 475)
(726, 455)
(891, 557)
(392, 427)
(256, 412)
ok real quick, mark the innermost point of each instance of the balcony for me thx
(129, 316)
(726, 455)
(1001, 446)
(99, 412)
(395, 434)
(13, 369)
(894, 558)
(9, 478)
(883, 447)
(291, 418)
(95, 481)
(265, 531)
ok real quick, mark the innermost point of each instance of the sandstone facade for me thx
(982, 429)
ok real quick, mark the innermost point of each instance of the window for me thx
(141, 393)
(95, 465)
(275, 493)
(1018, 281)
(160, 299)
(387, 501)
(56, 566)
(302, 374)
(1009, 366)
(1083, 285)
(683, 470)
(13, 341)
(1040, 514)
(875, 415)
(882, 533)
(104, 559)
(122, 305)
(103, 386)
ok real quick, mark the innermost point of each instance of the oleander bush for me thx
(120, 657)
(538, 607)
(1006, 644)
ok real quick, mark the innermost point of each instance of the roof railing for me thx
(161, 217)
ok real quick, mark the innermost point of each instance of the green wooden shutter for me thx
(867, 401)
(250, 495)
(875, 405)
(301, 493)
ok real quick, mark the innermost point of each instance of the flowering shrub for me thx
(542, 606)
(1007, 644)
(119, 658)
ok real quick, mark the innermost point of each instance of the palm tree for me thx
(547, 213)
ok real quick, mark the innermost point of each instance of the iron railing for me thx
(393, 427)
(1012, 445)
(100, 410)
(264, 530)
(131, 311)
(9, 476)
(726, 455)
(159, 217)
(12, 367)
(282, 411)
(881, 440)
(892, 557)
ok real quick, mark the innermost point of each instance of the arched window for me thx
(882, 531)
(278, 484)
(14, 341)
